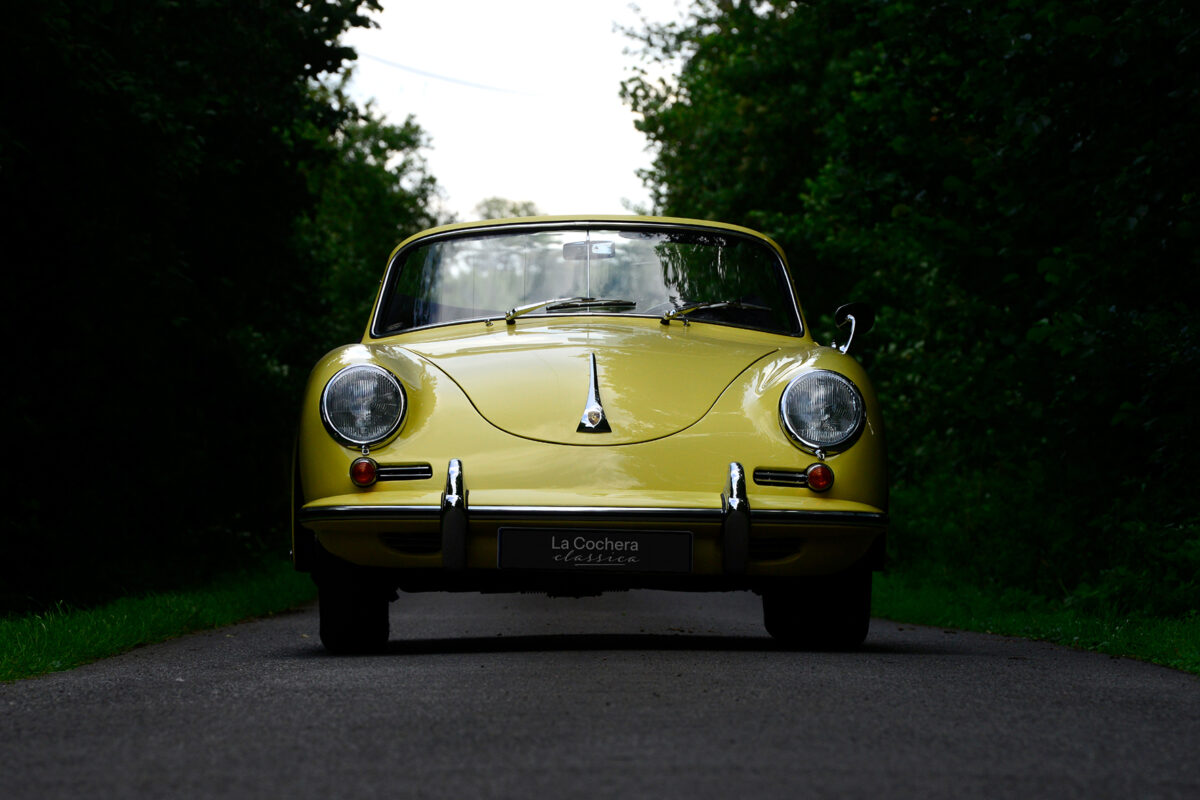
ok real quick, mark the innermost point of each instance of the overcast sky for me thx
(520, 99)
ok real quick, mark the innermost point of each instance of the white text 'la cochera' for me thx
(582, 550)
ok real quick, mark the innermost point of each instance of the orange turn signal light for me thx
(820, 477)
(363, 471)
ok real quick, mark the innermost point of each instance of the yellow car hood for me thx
(532, 380)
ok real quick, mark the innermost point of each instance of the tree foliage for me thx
(501, 207)
(187, 207)
(1014, 186)
(373, 192)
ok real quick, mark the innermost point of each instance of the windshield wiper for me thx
(682, 311)
(563, 303)
(592, 302)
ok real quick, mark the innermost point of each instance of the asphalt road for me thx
(642, 694)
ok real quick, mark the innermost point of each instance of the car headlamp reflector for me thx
(362, 405)
(822, 410)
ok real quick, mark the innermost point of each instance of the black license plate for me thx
(604, 550)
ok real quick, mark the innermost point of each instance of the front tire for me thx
(830, 612)
(353, 608)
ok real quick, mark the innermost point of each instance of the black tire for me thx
(821, 613)
(353, 606)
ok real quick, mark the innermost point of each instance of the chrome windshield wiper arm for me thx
(520, 311)
(682, 312)
(564, 303)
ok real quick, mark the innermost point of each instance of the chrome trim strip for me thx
(404, 472)
(781, 477)
(593, 419)
(599, 513)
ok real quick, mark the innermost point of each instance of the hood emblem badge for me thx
(593, 419)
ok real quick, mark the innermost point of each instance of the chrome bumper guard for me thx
(454, 518)
(735, 522)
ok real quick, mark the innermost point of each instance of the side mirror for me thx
(861, 318)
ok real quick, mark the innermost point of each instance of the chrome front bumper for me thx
(455, 518)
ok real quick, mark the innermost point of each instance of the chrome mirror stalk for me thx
(860, 317)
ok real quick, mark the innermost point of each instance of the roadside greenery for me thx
(1013, 186)
(193, 209)
(65, 637)
(931, 595)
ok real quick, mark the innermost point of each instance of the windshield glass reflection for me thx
(638, 272)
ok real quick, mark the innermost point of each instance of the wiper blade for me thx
(591, 302)
(682, 311)
(564, 303)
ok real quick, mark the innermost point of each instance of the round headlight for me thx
(822, 410)
(362, 405)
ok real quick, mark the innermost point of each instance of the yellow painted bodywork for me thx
(683, 402)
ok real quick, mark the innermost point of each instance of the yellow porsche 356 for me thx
(574, 405)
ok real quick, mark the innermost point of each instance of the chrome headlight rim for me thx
(820, 449)
(351, 441)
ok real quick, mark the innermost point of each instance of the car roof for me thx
(599, 219)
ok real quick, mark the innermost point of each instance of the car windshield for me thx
(711, 276)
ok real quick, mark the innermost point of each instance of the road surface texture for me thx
(640, 694)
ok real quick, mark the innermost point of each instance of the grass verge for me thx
(925, 598)
(64, 638)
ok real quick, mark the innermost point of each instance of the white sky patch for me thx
(520, 99)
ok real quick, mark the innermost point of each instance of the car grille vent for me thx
(413, 543)
(780, 477)
(405, 472)
(774, 549)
